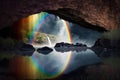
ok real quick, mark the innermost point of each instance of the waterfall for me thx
(50, 44)
(62, 34)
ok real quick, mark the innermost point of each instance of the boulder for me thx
(24, 49)
(44, 50)
(105, 43)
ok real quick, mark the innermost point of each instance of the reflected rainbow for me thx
(32, 24)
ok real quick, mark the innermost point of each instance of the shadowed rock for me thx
(105, 47)
(62, 44)
(107, 43)
(78, 49)
(24, 49)
(65, 47)
(44, 50)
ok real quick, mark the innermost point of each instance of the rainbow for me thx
(68, 31)
(29, 26)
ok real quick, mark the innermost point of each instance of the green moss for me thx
(41, 38)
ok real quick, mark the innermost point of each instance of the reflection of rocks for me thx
(20, 49)
(106, 48)
(44, 50)
(65, 47)
(24, 49)
(107, 52)
(24, 53)
(107, 43)
(62, 44)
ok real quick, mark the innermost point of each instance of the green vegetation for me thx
(41, 38)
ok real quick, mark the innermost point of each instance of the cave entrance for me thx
(45, 29)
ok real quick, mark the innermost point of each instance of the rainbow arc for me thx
(32, 24)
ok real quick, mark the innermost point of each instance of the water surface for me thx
(54, 64)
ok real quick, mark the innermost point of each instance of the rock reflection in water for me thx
(53, 64)
(66, 49)
(55, 61)
(44, 50)
(82, 59)
(106, 52)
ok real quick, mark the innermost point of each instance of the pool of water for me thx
(46, 66)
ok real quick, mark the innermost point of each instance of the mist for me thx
(55, 26)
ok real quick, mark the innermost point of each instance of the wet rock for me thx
(44, 50)
(107, 43)
(66, 47)
(24, 49)
(62, 44)
(79, 49)
(102, 43)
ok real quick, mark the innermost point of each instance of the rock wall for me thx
(104, 13)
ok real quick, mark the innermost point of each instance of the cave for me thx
(91, 23)
(100, 13)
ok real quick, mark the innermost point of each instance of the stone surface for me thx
(66, 47)
(24, 49)
(104, 13)
(107, 43)
(44, 50)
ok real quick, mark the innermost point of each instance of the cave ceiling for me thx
(97, 14)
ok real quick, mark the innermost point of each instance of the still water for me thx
(46, 66)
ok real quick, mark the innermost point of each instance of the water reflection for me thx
(53, 64)
(57, 61)
(83, 58)
(66, 49)
(39, 66)
(44, 50)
